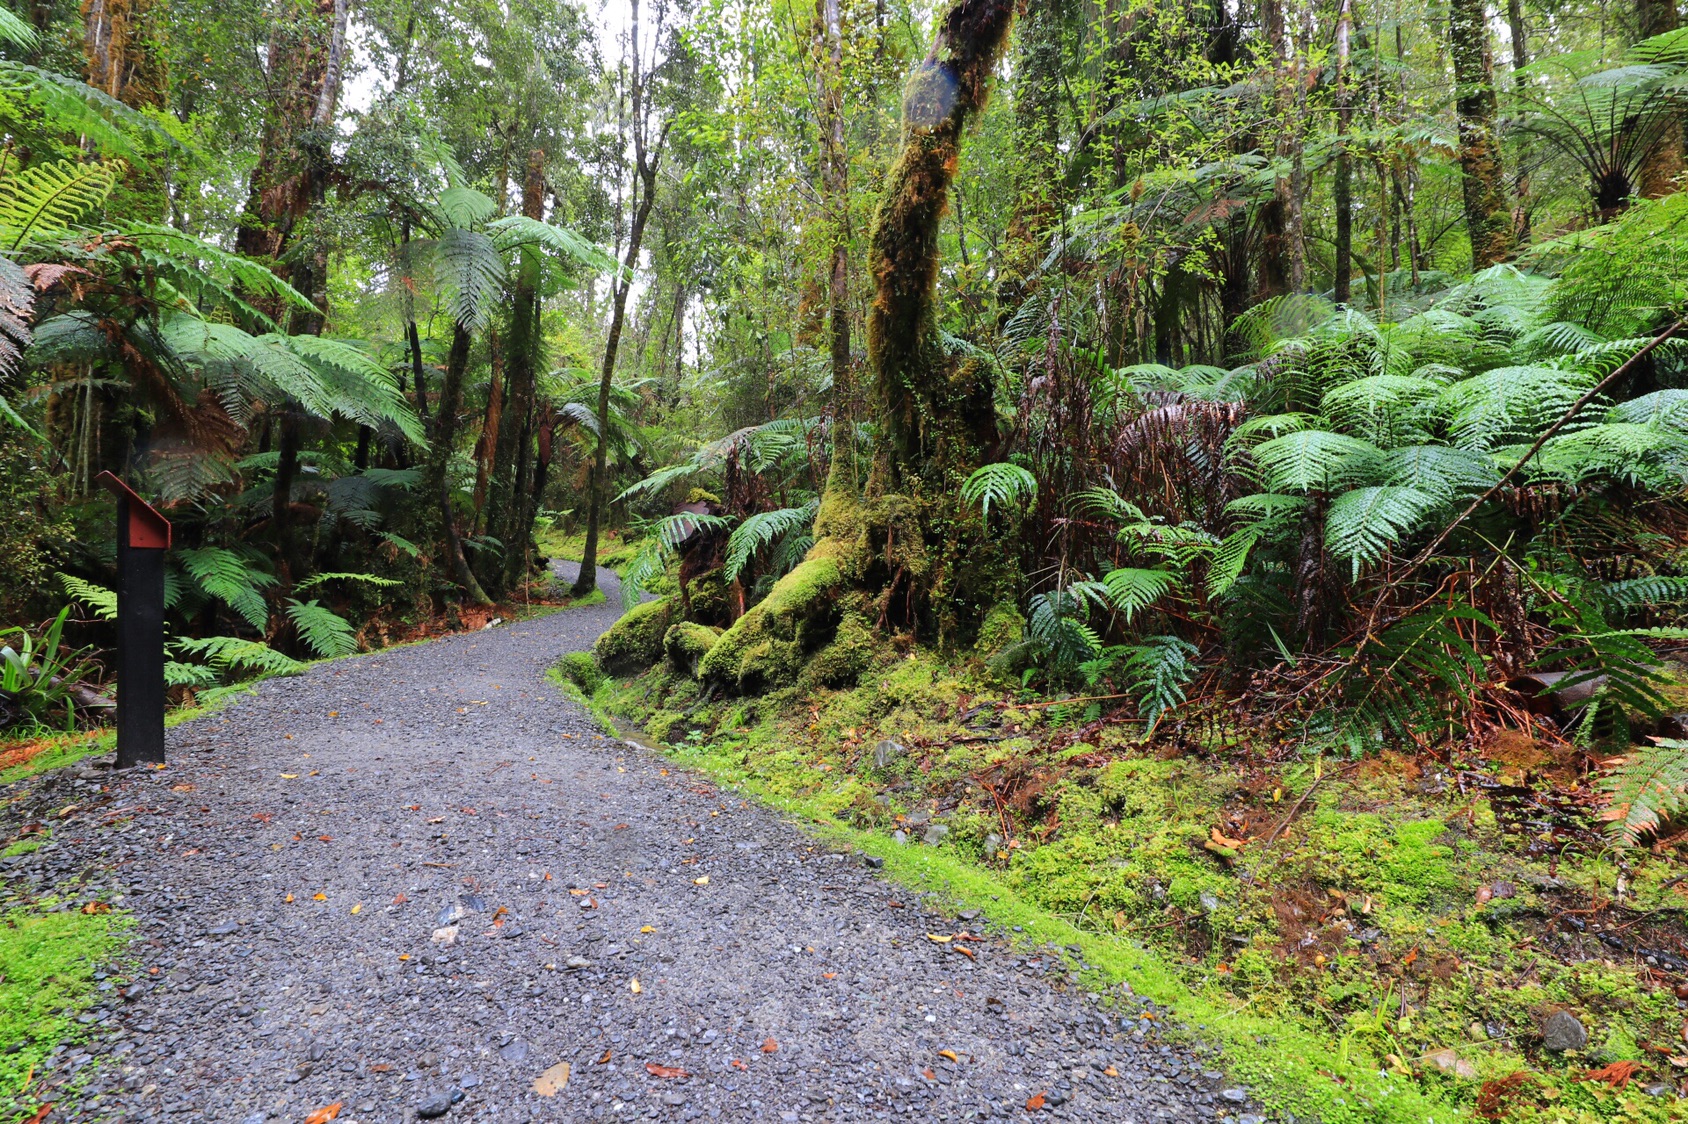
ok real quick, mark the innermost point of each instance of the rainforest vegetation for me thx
(1215, 471)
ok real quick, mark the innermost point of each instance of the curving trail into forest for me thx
(297, 873)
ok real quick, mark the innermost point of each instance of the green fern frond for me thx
(463, 207)
(1645, 593)
(1510, 404)
(762, 530)
(45, 201)
(1362, 525)
(324, 631)
(519, 232)
(97, 597)
(475, 270)
(230, 578)
(1005, 484)
(1315, 460)
(1649, 786)
(1130, 591)
(367, 579)
(1443, 471)
(235, 654)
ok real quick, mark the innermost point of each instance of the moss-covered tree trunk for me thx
(1488, 219)
(936, 414)
(1663, 164)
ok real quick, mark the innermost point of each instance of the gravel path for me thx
(419, 879)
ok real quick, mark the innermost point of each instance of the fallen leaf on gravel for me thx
(181, 788)
(290, 776)
(326, 838)
(634, 987)
(737, 1064)
(1034, 1103)
(552, 1081)
(967, 952)
(938, 938)
(325, 1114)
(928, 1074)
(665, 1070)
(288, 899)
(950, 1054)
(404, 956)
(770, 1046)
(647, 929)
(96, 907)
(40, 1113)
(829, 975)
(704, 881)
(319, 897)
(1110, 1072)
(437, 819)
(357, 908)
(399, 899)
(605, 1060)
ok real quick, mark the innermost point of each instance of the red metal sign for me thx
(148, 530)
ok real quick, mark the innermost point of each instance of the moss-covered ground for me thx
(1368, 940)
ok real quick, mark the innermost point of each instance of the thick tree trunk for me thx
(120, 63)
(1274, 271)
(1488, 219)
(1342, 189)
(932, 414)
(1663, 164)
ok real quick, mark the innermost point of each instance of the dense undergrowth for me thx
(1369, 940)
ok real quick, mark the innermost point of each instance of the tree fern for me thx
(463, 207)
(475, 271)
(519, 232)
(325, 632)
(662, 539)
(1004, 484)
(761, 530)
(1509, 404)
(46, 200)
(1648, 786)
(231, 579)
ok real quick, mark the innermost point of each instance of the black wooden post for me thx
(143, 535)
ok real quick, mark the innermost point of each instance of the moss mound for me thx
(635, 641)
(581, 669)
(686, 643)
(767, 646)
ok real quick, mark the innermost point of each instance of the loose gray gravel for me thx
(296, 873)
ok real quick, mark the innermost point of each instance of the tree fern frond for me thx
(44, 201)
(1510, 403)
(324, 631)
(1443, 471)
(761, 530)
(519, 232)
(1315, 460)
(231, 579)
(97, 597)
(1386, 410)
(75, 107)
(1648, 786)
(368, 579)
(236, 654)
(475, 270)
(1362, 525)
(1130, 591)
(463, 207)
(1003, 483)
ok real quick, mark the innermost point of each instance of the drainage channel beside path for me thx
(419, 883)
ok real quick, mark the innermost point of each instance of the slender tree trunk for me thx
(1521, 177)
(1488, 219)
(1343, 182)
(1037, 140)
(1273, 271)
(504, 506)
(835, 182)
(448, 407)
(1663, 165)
(647, 157)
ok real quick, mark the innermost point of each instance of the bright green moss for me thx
(765, 647)
(686, 643)
(635, 640)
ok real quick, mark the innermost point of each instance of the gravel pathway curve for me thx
(417, 880)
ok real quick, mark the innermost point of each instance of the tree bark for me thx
(1488, 219)
(1521, 178)
(1342, 188)
(835, 187)
(119, 62)
(1663, 164)
(1038, 76)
